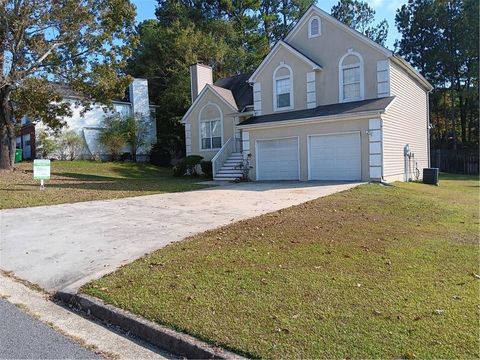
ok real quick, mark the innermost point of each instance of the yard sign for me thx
(41, 171)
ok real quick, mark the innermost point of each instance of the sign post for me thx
(41, 171)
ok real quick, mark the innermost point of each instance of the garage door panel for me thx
(335, 157)
(277, 159)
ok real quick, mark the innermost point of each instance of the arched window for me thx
(314, 27)
(283, 87)
(210, 125)
(351, 77)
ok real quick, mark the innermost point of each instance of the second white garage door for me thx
(335, 157)
(277, 159)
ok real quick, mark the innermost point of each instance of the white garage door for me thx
(277, 159)
(335, 157)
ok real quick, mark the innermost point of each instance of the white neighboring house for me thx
(89, 124)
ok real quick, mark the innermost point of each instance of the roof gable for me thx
(225, 96)
(241, 90)
(283, 45)
(314, 10)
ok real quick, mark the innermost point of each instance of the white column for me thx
(383, 78)
(188, 139)
(257, 98)
(245, 143)
(311, 90)
(375, 149)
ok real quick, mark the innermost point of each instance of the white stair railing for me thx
(222, 155)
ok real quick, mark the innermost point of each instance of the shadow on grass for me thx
(119, 185)
(84, 177)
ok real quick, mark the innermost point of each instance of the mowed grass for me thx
(74, 181)
(373, 272)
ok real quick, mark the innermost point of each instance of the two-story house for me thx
(327, 103)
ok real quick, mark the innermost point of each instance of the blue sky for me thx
(385, 9)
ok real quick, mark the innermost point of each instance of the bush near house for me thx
(374, 272)
(187, 166)
(207, 168)
(118, 131)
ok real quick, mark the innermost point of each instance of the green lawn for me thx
(74, 181)
(373, 272)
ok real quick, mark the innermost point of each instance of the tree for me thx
(112, 136)
(69, 145)
(82, 43)
(359, 16)
(440, 38)
(45, 143)
(137, 132)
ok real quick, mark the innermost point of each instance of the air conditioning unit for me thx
(430, 176)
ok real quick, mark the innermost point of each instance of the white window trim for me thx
(340, 76)
(275, 78)
(310, 35)
(200, 121)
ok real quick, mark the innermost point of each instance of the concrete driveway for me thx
(65, 246)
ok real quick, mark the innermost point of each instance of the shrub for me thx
(160, 156)
(137, 133)
(46, 145)
(187, 166)
(70, 144)
(207, 168)
(180, 169)
(112, 136)
(191, 162)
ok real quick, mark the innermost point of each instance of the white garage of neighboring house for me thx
(89, 124)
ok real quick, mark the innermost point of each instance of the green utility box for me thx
(18, 155)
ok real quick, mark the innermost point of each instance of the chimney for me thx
(138, 90)
(200, 75)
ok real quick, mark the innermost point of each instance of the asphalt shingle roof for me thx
(324, 110)
(241, 90)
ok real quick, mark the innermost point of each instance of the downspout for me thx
(428, 127)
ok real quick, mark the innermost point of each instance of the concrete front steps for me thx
(231, 168)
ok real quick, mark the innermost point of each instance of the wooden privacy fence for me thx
(455, 161)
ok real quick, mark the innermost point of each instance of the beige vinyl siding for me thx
(405, 122)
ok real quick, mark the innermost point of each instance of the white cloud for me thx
(388, 5)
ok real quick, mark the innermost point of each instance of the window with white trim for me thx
(283, 92)
(351, 82)
(211, 134)
(210, 124)
(351, 87)
(314, 25)
(282, 88)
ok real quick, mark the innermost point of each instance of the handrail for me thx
(222, 155)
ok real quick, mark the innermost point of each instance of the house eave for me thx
(324, 15)
(278, 45)
(197, 100)
(314, 120)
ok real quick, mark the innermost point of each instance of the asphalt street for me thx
(24, 337)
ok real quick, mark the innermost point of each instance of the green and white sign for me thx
(41, 169)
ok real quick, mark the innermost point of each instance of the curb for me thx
(166, 339)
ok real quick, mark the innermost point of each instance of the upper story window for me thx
(283, 88)
(210, 123)
(314, 27)
(351, 77)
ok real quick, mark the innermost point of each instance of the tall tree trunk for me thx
(7, 131)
